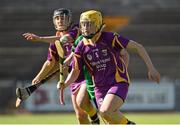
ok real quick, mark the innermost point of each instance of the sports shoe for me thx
(95, 122)
(131, 123)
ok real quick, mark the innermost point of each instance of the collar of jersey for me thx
(90, 42)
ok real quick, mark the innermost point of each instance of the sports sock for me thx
(95, 119)
(31, 89)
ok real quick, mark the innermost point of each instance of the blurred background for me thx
(153, 23)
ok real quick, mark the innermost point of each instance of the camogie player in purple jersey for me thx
(100, 52)
(62, 21)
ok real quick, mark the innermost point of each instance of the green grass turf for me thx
(155, 118)
(139, 118)
(38, 119)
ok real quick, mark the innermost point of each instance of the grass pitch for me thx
(64, 118)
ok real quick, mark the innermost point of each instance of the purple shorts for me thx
(119, 89)
(74, 87)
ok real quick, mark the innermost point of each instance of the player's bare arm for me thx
(73, 75)
(36, 38)
(68, 59)
(47, 67)
(125, 57)
(153, 74)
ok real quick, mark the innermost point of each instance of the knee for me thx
(80, 104)
(83, 106)
(81, 115)
(105, 113)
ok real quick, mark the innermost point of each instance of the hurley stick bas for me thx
(23, 93)
(61, 60)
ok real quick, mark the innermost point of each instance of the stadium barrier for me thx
(7, 95)
(142, 96)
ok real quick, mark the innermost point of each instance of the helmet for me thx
(66, 15)
(93, 16)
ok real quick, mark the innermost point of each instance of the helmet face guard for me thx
(88, 29)
(62, 19)
(90, 23)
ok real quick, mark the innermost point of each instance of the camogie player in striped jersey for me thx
(100, 52)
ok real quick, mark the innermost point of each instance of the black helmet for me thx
(64, 13)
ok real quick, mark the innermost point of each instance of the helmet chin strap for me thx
(90, 36)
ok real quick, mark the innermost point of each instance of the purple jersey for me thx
(52, 52)
(103, 59)
(74, 33)
(67, 47)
